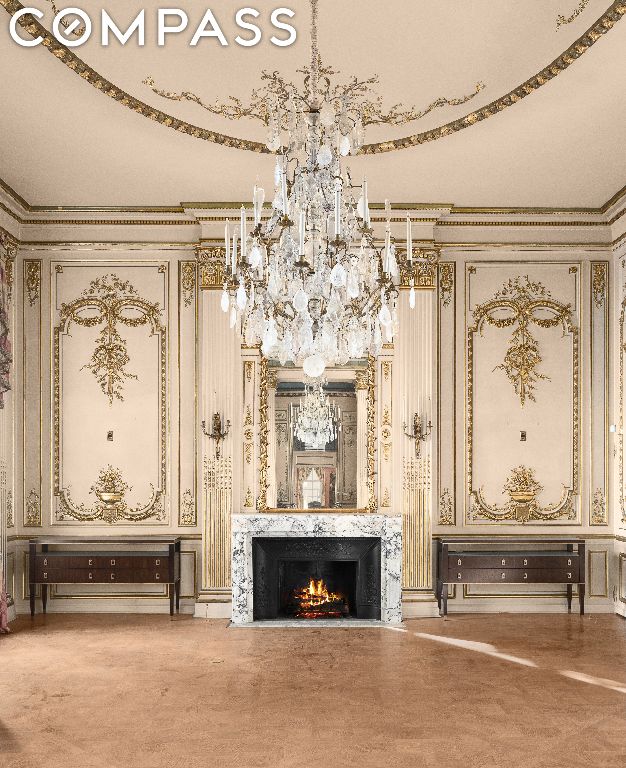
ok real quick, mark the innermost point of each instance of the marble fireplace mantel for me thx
(389, 529)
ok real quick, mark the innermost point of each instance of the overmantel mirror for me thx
(317, 439)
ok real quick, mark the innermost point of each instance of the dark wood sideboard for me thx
(494, 560)
(71, 560)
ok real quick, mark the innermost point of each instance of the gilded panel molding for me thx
(518, 304)
(599, 400)
(113, 301)
(600, 27)
(188, 384)
(32, 405)
(447, 393)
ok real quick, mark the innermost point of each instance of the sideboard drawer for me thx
(512, 560)
(515, 576)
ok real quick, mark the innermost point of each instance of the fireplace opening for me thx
(316, 578)
(312, 589)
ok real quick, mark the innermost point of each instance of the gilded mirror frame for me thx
(365, 379)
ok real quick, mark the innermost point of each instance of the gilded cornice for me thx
(599, 28)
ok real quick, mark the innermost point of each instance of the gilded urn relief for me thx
(110, 392)
(522, 394)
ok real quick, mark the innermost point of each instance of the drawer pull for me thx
(569, 575)
(458, 575)
(112, 562)
(503, 561)
(112, 577)
(45, 575)
(157, 576)
(458, 562)
(569, 562)
(91, 577)
(525, 561)
(525, 575)
(90, 561)
(45, 561)
(157, 562)
(503, 576)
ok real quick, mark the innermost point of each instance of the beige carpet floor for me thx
(492, 691)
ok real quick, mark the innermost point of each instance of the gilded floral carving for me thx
(188, 508)
(446, 508)
(598, 508)
(32, 280)
(187, 281)
(446, 282)
(110, 488)
(111, 299)
(598, 283)
(522, 506)
(33, 510)
(518, 305)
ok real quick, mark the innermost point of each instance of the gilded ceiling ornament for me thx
(32, 278)
(111, 298)
(561, 20)
(274, 87)
(598, 283)
(446, 508)
(517, 305)
(614, 13)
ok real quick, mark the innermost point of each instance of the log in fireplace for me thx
(316, 578)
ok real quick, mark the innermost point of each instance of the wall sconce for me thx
(418, 434)
(218, 433)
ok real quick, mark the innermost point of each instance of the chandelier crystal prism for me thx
(311, 285)
(316, 421)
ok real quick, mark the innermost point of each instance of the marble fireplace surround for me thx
(389, 529)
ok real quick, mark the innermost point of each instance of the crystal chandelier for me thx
(311, 285)
(316, 421)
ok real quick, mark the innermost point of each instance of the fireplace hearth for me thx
(316, 578)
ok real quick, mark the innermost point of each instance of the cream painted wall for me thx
(568, 444)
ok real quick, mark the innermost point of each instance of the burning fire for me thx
(315, 602)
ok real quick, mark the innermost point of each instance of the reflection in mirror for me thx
(316, 441)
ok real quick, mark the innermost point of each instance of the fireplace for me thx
(316, 578)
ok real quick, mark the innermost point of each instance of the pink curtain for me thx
(5, 343)
(4, 608)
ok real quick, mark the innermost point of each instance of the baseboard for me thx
(214, 610)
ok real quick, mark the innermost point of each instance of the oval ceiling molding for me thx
(604, 24)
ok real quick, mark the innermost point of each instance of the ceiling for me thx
(561, 146)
